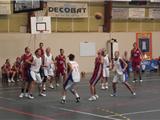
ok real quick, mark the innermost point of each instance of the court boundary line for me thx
(139, 112)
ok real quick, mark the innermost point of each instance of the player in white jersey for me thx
(106, 67)
(35, 73)
(120, 67)
(73, 77)
(49, 68)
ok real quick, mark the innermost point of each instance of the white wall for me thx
(13, 44)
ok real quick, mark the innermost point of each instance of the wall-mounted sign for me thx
(67, 10)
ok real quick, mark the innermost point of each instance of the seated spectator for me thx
(6, 68)
(16, 68)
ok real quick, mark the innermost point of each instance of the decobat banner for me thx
(67, 10)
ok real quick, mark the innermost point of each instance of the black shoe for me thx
(77, 99)
(63, 101)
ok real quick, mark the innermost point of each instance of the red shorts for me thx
(136, 65)
(25, 75)
(61, 71)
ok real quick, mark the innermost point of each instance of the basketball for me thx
(98, 15)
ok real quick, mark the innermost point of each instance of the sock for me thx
(22, 90)
(26, 90)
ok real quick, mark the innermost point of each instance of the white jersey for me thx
(37, 62)
(106, 61)
(75, 71)
(48, 61)
(118, 67)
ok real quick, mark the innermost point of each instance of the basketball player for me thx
(97, 75)
(49, 68)
(41, 45)
(73, 77)
(60, 66)
(136, 58)
(26, 63)
(35, 74)
(120, 74)
(106, 67)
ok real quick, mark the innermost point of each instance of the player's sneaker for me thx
(30, 96)
(26, 95)
(57, 85)
(113, 95)
(9, 80)
(106, 87)
(42, 94)
(141, 81)
(77, 99)
(92, 98)
(12, 80)
(96, 96)
(21, 95)
(102, 88)
(134, 94)
(51, 86)
(63, 101)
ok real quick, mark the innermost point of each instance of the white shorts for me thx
(48, 72)
(36, 77)
(119, 78)
(105, 72)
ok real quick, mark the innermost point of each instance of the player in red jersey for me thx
(26, 63)
(136, 58)
(60, 65)
(97, 75)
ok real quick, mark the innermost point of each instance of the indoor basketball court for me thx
(79, 60)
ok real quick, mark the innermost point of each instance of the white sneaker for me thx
(102, 88)
(57, 85)
(141, 81)
(9, 80)
(51, 86)
(21, 95)
(134, 94)
(96, 96)
(30, 97)
(92, 98)
(42, 94)
(26, 95)
(107, 87)
(12, 80)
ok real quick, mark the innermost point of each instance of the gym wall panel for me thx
(147, 26)
(118, 26)
(17, 20)
(13, 44)
(3, 23)
(157, 26)
(81, 25)
(134, 26)
(64, 25)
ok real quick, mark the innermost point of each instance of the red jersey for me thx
(7, 66)
(61, 62)
(42, 52)
(24, 58)
(16, 66)
(136, 55)
(97, 73)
